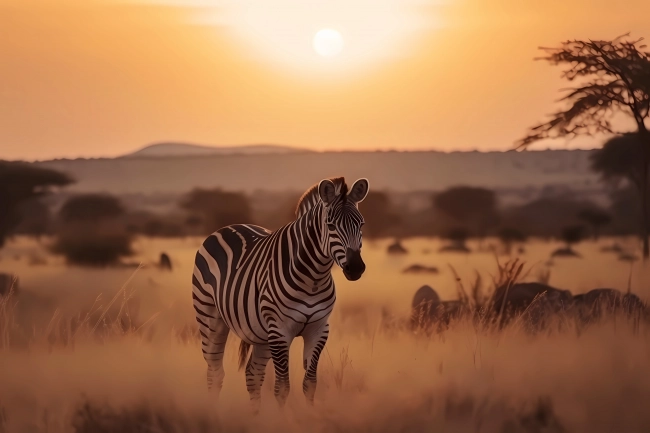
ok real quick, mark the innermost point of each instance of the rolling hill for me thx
(297, 170)
(171, 149)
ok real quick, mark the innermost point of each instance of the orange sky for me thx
(88, 78)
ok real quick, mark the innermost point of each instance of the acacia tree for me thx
(90, 232)
(474, 208)
(380, 219)
(596, 218)
(614, 78)
(217, 208)
(19, 183)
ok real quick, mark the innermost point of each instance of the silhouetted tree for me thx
(510, 236)
(572, 235)
(472, 207)
(614, 79)
(596, 218)
(622, 159)
(217, 208)
(90, 233)
(378, 215)
(87, 244)
(458, 237)
(35, 218)
(91, 207)
(19, 183)
(625, 208)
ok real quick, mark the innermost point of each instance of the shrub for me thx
(86, 244)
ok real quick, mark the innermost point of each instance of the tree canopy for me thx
(378, 214)
(614, 78)
(20, 182)
(217, 208)
(473, 207)
(91, 207)
(620, 158)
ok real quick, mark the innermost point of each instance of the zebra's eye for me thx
(331, 226)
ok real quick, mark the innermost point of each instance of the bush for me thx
(573, 235)
(91, 207)
(90, 245)
(378, 214)
(217, 208)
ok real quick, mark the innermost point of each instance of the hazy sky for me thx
(103, 77)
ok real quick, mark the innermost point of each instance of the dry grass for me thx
(113, 365)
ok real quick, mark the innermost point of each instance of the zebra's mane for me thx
(311, 198)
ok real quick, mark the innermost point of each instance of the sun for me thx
(318, 35)
(328, 42)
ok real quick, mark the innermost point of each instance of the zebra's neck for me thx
(313, 242)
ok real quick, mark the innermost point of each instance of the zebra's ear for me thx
(359, 191)
(327, 191)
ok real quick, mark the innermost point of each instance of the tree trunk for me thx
(646, 216)
(644, 192)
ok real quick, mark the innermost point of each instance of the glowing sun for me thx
(328, 42)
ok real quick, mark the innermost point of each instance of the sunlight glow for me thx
(289, 31)
(328, 42)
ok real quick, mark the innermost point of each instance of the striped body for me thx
(270, 287)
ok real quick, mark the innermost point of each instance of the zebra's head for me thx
(344, 223)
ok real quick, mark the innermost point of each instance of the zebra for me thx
(270, 287)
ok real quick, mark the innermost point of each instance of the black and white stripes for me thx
(270, 287)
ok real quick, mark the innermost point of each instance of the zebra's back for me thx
(227, 273)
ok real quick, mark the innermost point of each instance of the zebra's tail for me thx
(244, 348)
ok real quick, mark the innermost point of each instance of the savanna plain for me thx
(117, 350)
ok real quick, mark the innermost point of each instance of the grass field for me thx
(112, 350)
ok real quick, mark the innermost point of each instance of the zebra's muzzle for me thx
(354, 266)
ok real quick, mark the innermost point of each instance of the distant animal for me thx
(270, 287)
(8, 283)
(397, 248)
(165, 262)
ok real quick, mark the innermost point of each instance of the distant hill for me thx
(296, 171)
(163, 150)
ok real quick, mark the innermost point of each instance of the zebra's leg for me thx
(214, 333)
(255, 371)
(314, 343)
(279, 346)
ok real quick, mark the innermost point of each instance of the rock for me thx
(628, 257)
(165, 262)
(397, 248)
(518, 299)
(425, 294)
(565, 252)
(455, 248)
(613, 248)
(420, 269)
(596, 303)
(429, 313)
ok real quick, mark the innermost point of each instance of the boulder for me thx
(538, 301)
(397, 248)
(165, 262)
